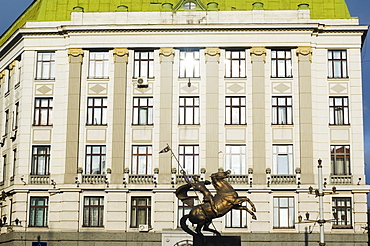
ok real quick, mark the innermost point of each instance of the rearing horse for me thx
(225, 199)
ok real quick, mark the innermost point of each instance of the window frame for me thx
(184, 157)
(183, 209)
(35, 208)
(103, 71)
(41, 66)
(240, 62)
(139, 67)
(277, 165)
(189, 105)
(343, 64)
(241, 155)
(138, 108)
(136, 167)
(278, 209)
(16, 116)
(38, 111)
(242, 214)
(100, 110)
(334, 118)
(6, 122)
(189, 67)
(279, 64)
(230, 113)
(347, 213)
(90, 157)
(37, 163)
(282, 114)
(88, 212)
(134, 220)
(334, 158)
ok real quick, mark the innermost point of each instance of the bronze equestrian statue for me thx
(216, 206)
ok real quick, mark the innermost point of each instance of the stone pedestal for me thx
(217, 241)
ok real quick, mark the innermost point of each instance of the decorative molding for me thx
(258, 51)
(120, 52)
(75, 52)
(166, 52)
(212, 51)
(304, 51)
(12, 65)
(2, 74)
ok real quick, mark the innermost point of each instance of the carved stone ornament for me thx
(258, 51)
(75, 52)
(12, 65)
(2, 74)
(212, 51)
(166, 52)
(304, 51)
(121, 52)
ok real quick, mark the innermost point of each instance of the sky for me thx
(10, 10)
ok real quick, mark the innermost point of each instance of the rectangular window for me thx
(281, 61)
(98, 65)
(235, 111)
(189, 158)
(340, 160)
(282, 159)
(140, 211)
(282, 110)
(14, 162)
(342, 217)
(189, 64)
(235, 159)
(337, 64)
(283, 212)
(339, 113)
(189, 111)
(97, 111)
(93, 211)
(143, 111)
(45, 65)
(141, 159)
(38, 212)
(43, 112)
(184, 209)
(4, 167)
(236, 218)
(95, 159)
(16, 116)
(235, 64)
(6, 123)
(40, 160)
(144, 64)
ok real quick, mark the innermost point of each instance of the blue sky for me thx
(10, 10)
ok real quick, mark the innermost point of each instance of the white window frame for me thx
(281, 152)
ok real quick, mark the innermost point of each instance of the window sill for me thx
(344, 125)
(17, 85)
(281, 78)
(235, 125)
(42, 126)
(97, 126)
(236, 78)
(342, 228)
(189, 125)
(7, 94)
(336, 79)
(282, 125)
(98, 79)
(45, 80)
(141, 126)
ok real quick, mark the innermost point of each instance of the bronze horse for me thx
(226, 198)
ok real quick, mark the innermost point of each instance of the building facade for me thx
(92, 91)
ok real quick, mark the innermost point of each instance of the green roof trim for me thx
(60, 10)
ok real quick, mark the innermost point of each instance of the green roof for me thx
(60, 10)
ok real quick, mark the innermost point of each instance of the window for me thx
(10, 78)
(282, 159)
(43, 112)
(93, 211)
(14, 163)
(189, 64)
(40, 160)
(190, 5)
(4, 167)
(282, 110)
(235, 159)
(189, 158)
(141, 159)
(95, 159)
(16, 116)
(96, 111)
(281, 62)
(140, 211)
(337, 64)
(6, 123)
(189, 111)
(235, 64)
(235, 111)
(45, 65)
(338, 107)
(184, 209)
(38, 212)
(236, 218)
(98, 65)
(283, 212)
(143, 111)
(144, 64)
(341, 207)
(340, 160)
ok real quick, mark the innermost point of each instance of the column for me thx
(73, 114)
(305, 114)
(258, 58)
(212, 58)
(119, 114)
(165, 112)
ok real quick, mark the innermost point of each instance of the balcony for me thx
(237, 179)
(345, 179)
(141, 179)
(94, 179)
(283, 179)
(39, 179)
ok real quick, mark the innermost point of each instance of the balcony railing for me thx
(39, 179)
(341, 179)
(94, 178)
(141, 179)
(237, 179)
(283, 179)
